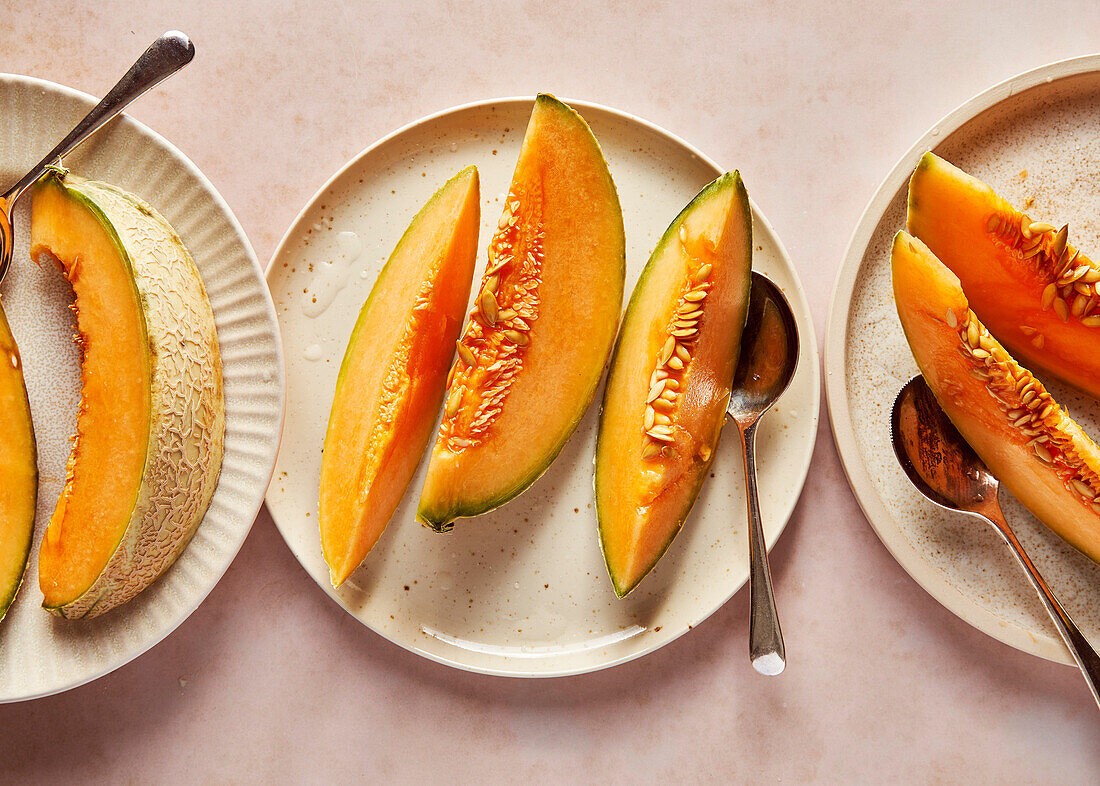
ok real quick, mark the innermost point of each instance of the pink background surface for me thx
(269, 681)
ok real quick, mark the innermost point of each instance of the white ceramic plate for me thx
(40, 654)
(1036, 140)
(521, 591)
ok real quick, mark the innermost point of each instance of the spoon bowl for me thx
(767, 362)
(946, 470)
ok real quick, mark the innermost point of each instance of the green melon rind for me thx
(442, 519)
(176, 313)
(650, 271)
(15, 580)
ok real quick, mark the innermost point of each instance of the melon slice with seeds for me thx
(542, 327)
(665, 401)
(1015, 426)
(1033, 290)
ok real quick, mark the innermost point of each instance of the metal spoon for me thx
(769, 355)
(164, 57)
(945, 469)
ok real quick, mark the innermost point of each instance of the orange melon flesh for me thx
(108, 459)
(1010, 275)
(18, 469)
(1046, 460)
(543, 324)
(394, 372)
(643, 496)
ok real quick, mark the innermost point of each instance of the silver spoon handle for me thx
(766, 649)
(1079, 647)
(164, 57)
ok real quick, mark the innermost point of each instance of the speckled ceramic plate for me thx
(521, 591)
(40, 654)
(1036, 140)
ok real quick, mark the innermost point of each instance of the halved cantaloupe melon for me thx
(394, 372)
(18, 470)
(1006, 415)
(150, 430)
(542, 328)
(1030, 287)
(670, 379)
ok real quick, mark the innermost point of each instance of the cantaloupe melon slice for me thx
(394, 372)
(671, 375)
(150, 430)
(18, 470)
(542, 327)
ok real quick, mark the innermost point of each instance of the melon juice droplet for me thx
(331, 276)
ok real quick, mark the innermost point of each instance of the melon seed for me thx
(650, 450)
(454, 401)
(516, 337)
(1049, 409)
(1091, 321)
(1082, 488)
(1040, 227)
(1043, 454)
(682, 353)
(654, 434)
(993, 224)
(506, 315)
(695, 295)
(666, 351)
(675, 364)
(655, 391)
(671, 384)
(1049, 294)
(1092, 276)
(972, 336)
(487, 304)
(702, 274)
(491, 283)
(1028, 331)
(466, 355)
(684, 333)
(662, 420)
(1061, 309)
(1059, 245)
(950, 318)
(1038, 341)
(1078, 308)
(649, 419)
(503, 223)
(663, 405)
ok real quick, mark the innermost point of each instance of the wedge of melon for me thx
(150, 430)
(1035, 450)
(18, 470)
(543, 324)
(394, 373)
(1035, 292)
(670, 379)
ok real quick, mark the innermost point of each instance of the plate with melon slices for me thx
(136, 456)
(983, 240)
(450, 301)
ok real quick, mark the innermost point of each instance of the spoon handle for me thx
(164, 57)
(1079, 647)
(766, 649)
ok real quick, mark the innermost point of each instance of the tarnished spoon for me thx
(769, 355)
(945, 469)
(164, 57)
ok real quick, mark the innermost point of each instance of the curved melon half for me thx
(1034, 291)
(670, 379)
(1004, 412)
(394, 372)
(150, 430)
(18, 470)
(542, 328)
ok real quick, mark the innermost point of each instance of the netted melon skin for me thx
(187, 424)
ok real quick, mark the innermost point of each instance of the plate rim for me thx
(796, 293)
(280, 367)
(1049, 647)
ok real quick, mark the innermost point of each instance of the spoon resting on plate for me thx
(946, 470)
(769, 355)
(164, 57)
